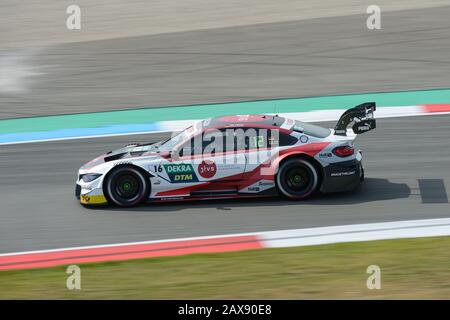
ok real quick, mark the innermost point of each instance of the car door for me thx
(221, 160)
(258, 146)
(213, 156)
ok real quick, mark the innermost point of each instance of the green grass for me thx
(411, 269)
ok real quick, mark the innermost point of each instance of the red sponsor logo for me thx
(207, 169)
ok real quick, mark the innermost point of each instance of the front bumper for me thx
(77, 191)
(90, 193)
(342, 176)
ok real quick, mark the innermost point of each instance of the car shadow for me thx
(372, 189)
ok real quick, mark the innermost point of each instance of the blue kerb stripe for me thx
(78, 132)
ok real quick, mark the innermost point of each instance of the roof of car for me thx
(244, 120)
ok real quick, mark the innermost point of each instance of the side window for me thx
(235, 139)
(266, 138)
(251, 138)
(191, 147)
(287, 140)
(258, 138)
(212, 142)
(229, 139)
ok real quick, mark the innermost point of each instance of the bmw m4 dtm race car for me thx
(234, 156)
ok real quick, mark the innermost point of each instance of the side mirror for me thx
(176, 153)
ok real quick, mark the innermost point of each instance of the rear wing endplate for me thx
(361, 117)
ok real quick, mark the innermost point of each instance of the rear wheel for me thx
(127, 186)
(297, 179)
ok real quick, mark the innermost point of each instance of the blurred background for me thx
(159, 53)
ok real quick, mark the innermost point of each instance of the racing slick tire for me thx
(297, 179)
(127, 186)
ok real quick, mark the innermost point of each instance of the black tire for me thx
(127, 186)
(297, 179)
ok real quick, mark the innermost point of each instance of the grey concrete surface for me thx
(42, 23)
(38, 209)
(320, 56)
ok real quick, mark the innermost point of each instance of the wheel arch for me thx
(147, 174)
(304, 156)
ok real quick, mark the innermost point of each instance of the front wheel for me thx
(127, 186)
(297, 179)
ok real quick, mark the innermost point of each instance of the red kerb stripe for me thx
(433, 108)
(126, 252)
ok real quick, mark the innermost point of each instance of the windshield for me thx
(169, 144)
(311, 129)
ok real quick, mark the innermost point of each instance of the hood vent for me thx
(115, 156)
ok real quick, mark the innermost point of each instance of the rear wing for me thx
(361, 117)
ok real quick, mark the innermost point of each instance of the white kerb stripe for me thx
(358, 232)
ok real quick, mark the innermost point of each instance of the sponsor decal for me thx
(181, 173)
(95, 199)
(288, 123)
(253, 189)
(231, 166)
(207, 169)
(265, 183)
(344, 173)
(364, 128)
(189, 130)
(325, 155)
(171, 198)
(304, 139)
(243, 117)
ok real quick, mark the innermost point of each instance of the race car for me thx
(235, 156)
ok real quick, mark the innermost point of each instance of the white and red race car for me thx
(232, 157)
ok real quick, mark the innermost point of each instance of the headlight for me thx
(89, 177)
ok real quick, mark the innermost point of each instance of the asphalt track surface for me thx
(312, 57)
(39, 210)
(407, 160)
